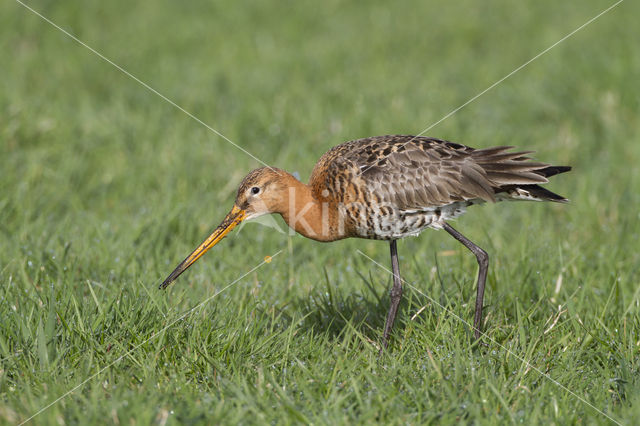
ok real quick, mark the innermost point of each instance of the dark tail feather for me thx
(553, 170)
(536, 191)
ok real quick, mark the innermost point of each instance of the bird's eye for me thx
(255, 190)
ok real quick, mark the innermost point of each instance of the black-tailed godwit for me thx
(386, 188)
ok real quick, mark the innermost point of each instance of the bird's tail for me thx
(535, 192)
(542, 194)
(515, 177)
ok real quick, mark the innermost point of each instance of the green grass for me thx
(104, 188)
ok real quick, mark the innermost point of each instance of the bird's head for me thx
(261, 192)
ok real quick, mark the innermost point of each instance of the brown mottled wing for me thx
(418, 172)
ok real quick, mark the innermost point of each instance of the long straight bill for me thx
(235, 216)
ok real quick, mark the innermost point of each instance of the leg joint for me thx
(482, 256)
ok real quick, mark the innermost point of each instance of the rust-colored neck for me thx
(306, 213)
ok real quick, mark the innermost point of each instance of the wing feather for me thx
(420, 173)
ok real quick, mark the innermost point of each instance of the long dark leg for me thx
(483, 263)
(396, 295)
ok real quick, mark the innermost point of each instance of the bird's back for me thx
(397, 185)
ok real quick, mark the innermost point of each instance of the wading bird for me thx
(386, 188)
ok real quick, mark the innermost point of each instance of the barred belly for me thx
(387, 223)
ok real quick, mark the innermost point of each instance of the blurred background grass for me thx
(104, 187)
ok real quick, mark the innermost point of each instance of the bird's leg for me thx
(483, 262)
(395, 293)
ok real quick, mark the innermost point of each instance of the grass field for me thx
(105, 187)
